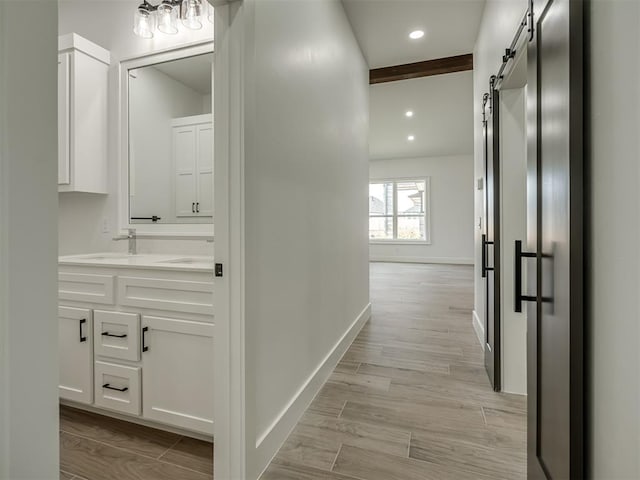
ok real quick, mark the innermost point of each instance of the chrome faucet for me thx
(131, 236)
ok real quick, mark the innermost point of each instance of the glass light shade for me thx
(144, 22)
(209, 11)
(191, 14)
(167, 18)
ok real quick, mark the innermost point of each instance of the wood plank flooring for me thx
(410, 398)
(95, 447)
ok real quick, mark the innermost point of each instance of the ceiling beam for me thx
(439, 66)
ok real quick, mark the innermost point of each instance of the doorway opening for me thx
(513, 220)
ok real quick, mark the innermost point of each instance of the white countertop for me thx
(189, 263)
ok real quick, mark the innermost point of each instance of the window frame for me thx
(395, 215)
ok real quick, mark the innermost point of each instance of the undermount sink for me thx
(103, 256)
(184, 260)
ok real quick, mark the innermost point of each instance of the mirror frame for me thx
(197, 231)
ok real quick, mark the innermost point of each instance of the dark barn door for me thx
(491, 238)
(555, 234)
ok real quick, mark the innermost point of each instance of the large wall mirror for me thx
(169, 147)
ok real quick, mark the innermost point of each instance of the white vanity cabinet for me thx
(193, 165)
(138, 340)
(177, 361)
(82, 115)
(76, 354)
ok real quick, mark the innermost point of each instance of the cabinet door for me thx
(64, 167)
(75, 354)
(184, 158)
(205, 170)
(177, 364)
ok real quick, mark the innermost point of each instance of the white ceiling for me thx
(194, 72)
(442, 122)
(443, 105)
(382, 28)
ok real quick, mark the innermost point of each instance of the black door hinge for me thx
(218, 270)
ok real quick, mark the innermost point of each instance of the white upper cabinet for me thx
(82, 115)
(193, 164)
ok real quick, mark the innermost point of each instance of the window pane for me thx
(411, 228)
(381, 228)
(381, 199)
(411, 197)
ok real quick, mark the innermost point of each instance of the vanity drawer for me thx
(84, 287)
(116, 335)
(117, 387)
(171, 295)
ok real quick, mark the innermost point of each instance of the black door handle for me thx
(197, 207)
(82, 337)
(107, 334)
(193, 207)
(519, 297)
(485, 269)
(144, 346)
(124, 389)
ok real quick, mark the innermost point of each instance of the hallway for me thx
(410, 399)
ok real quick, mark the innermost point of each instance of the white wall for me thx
(82, 216)
(305, 203)
(614, 264)
(500, 21)
(451, 209)
(28, 249)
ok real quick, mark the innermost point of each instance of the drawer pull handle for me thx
(106, 385)
(116, 335)
(82, 337)
(144, 343)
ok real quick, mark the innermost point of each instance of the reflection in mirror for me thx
(171, 142)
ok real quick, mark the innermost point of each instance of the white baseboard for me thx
(477, 326)
(269, 442)
(439, 260)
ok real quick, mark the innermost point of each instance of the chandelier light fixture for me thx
(165, 16)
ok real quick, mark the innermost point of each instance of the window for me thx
(398, 210)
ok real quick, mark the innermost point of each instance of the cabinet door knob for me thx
(197, 207)
(193, 207)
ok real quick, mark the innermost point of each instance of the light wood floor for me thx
(410, 399)
(95, 447)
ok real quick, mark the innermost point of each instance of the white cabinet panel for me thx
(193, 164)
(86, 287)
(117, 335)
(75, 354)
(178, 373)
(82, 115)
(184, 155)
(205, 170)
(63, 119)
(117, 387)
(173, 295)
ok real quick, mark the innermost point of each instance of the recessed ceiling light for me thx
(416, 34)
(411, 138)
(409, 113)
